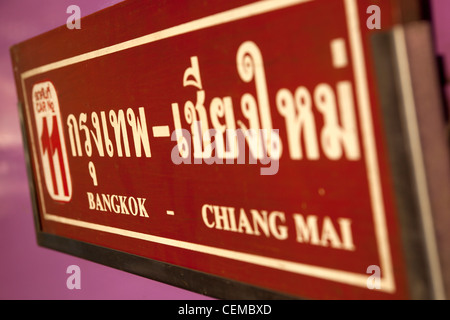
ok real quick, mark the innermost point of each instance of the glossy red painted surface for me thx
(326, 214)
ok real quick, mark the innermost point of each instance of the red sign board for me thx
(243, 141)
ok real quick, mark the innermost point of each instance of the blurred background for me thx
(26, 270)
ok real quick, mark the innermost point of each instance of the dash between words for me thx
(226, 139)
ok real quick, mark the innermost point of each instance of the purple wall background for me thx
(26, 270)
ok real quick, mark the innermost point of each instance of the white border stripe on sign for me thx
(357, 57)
